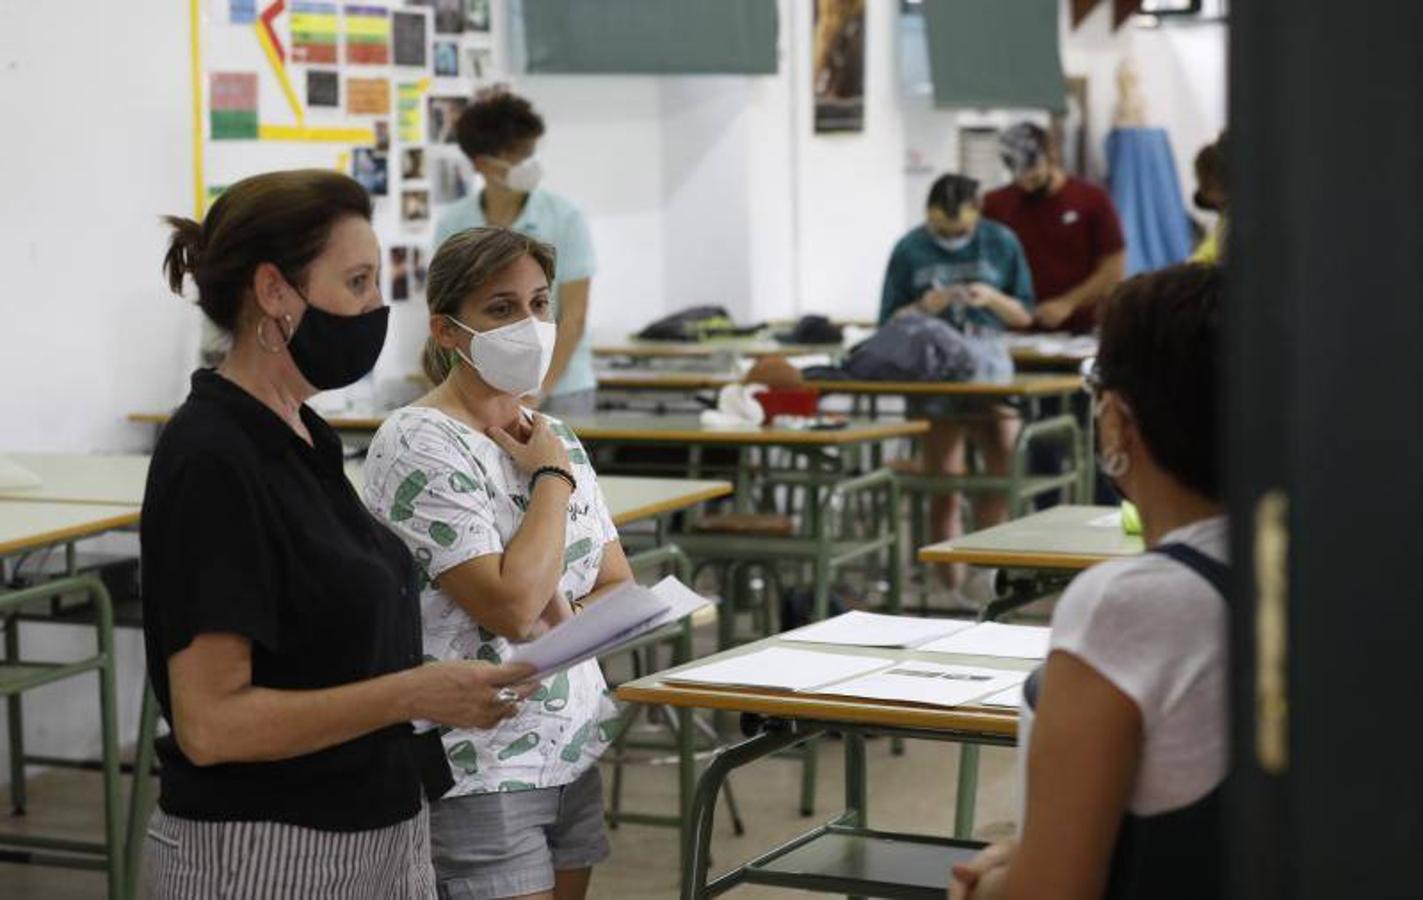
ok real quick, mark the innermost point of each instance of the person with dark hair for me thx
(500, 133)
(1068, 226)
(972, 273)
(501, 507)
(281, 622)
(1123, 734)
(1211, 196)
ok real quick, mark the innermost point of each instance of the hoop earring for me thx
(1114, 463)
(286, 333)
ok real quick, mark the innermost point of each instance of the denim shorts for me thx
(510, 844)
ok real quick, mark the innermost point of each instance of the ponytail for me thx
(436, 361)
(185, 251)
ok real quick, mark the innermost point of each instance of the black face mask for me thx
(333, 351)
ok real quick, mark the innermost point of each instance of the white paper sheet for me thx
(1009, 699)
(780, 668)
(1106, 520)
(866, 629)
(14, 476)
(929, 683)
(995, 639)
(623, 614)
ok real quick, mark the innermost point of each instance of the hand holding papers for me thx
(624, 614)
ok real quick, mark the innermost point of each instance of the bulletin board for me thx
(368, 87)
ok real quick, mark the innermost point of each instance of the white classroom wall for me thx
(697, 189)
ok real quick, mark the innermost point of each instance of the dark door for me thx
(1325, 447)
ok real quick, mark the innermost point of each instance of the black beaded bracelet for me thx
(553, 470)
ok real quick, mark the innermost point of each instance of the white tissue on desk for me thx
(736, 407)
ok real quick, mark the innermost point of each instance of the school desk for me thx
(844, 855)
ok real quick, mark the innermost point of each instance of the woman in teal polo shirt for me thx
(500, 132)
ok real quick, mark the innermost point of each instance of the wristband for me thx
(552, 470)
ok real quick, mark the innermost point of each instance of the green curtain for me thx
(995, 54)
(650, 37)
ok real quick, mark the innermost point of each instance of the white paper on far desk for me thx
(929, 683)
(995, 639)
(1106, 520)
(780, 668)
(630, 611)
(14, 476)
(866, 629)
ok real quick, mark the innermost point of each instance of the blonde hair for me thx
(464, 264)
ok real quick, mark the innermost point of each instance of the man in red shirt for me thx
(1067, 226)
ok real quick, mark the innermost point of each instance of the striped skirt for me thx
(184, 858)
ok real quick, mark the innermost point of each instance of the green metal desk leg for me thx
(967, 791)
(686, 752)
(15, 724)
(109, 735)
(857, 790)
(140, 800)
(703, 811)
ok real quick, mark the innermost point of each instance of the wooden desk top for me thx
(689, 430)
(1059, 538)
(32, 525)
(634, 499)
(1029, 385)
(755, 348)
(644, 380)
(973, 719)
(82, 478)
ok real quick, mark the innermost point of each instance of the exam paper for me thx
(928, 683)
(1106, 520)
(1011, 698)
(14, 476)
(780, 668)
(866, 629)
(995, 639)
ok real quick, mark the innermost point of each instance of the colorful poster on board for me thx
(232, 106)
(314, 32)
(407, 120)
(367, 35)
(367, 96)
(838, 65)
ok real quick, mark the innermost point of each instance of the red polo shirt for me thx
(1066, 235)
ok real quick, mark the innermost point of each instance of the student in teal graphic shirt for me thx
(500, 132)
(973, 273)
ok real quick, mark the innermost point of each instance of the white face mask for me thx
(513, 359)
(955, 244)
(524, 176)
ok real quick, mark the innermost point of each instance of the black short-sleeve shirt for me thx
(249, 530)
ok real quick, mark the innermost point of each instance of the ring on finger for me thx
(507, 695)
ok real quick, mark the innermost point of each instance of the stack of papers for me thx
(620, 616)
(842, 675)
(928, 683)
(866, 629)
(995, 639)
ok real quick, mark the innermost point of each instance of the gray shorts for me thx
(510, 844)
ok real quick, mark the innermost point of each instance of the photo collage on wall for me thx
(400, 71)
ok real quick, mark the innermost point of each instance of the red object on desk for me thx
(789, 402)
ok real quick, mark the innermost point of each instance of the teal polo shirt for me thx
(553, 220)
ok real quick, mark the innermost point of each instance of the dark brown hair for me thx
(283, 218)
(465, 262)
(1160, 350)
(496, 121)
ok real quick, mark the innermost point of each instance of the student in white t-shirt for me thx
(501, 509)
(1124, 733)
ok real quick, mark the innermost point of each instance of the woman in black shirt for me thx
(281, 619)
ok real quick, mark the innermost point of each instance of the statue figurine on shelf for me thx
(1131, 105)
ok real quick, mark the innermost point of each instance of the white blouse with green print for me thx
(453, 495)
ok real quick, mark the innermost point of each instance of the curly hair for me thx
(495, 121)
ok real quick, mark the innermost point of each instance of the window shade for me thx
(650, 37)
(995, 54)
